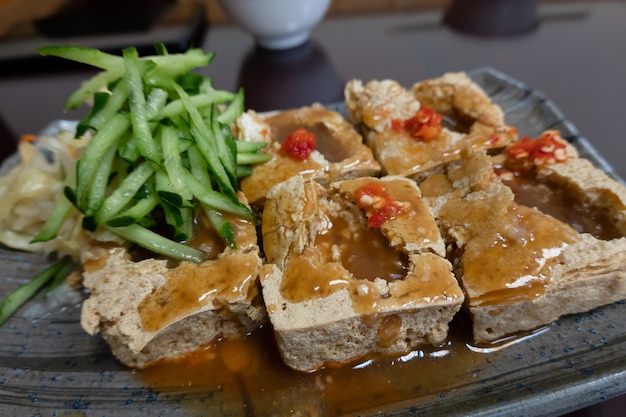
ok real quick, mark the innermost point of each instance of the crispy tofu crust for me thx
(149, 310)
(520, 268)
(320, 311)
(339, 153)
(375, 105)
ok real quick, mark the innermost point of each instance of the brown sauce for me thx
(191, 286)
(509, 250)
(559, 203)
(363, 251)
(339, 151)
(206, 238)
(325, 141)
(331, 144)
(307, 277)
(512, 257)
(249, 374)
(389, 330)
(267, 175)
(367, 262)
(456, 124)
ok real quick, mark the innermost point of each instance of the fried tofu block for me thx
(339, 152)
(341, 283)
(520, 267)
(148, 309)
(417, 132)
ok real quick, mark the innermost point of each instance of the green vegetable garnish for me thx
(162, 145)
(51, 276)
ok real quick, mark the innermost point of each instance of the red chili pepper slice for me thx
(547, 149)
(424, 126)
(299, 144)
(378, 205)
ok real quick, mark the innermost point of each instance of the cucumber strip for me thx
(147, 222)
(21, 295)
(185, 230)
(53, 224)
(113, 105)
(206, 145)
(173, 217)
(100, 98)
(62, 273)
(180, 220)
(244, 171)
(233, 111)
(70, 194)
(166, 192)
(155, 102)
(223, 227)
(84, 55)
(217, 200)
(160, 48)
(89, 87)
(157, 243)
(192, 82)
(176, 107)
(164, 77)
(121, 167)
(137, 103)
(198, 167)
(154, 81)
(206, 86)
(173, 163)
(88, 165)
(124, 193)
(226, 148)
(252, 158)
(135, 213)
(173, 65)
(206, 113)
(249, 146)
(97, 191)
(127, 149)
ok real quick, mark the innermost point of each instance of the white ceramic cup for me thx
(277, 24)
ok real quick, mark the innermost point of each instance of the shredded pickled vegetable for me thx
(30, 189)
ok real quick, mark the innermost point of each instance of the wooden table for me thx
(576, 56)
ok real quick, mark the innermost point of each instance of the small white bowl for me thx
(277, 24)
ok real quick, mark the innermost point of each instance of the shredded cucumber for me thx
(54, 274)
(162, 147)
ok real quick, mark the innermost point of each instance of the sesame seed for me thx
(366, 200)
(560, 154)
(362, 289)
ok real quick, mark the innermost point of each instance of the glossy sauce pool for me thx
(557, 202)
(250, 374)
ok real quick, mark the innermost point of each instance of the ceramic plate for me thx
(50, 367)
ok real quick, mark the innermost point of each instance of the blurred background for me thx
(216, 15)
(19, 18)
